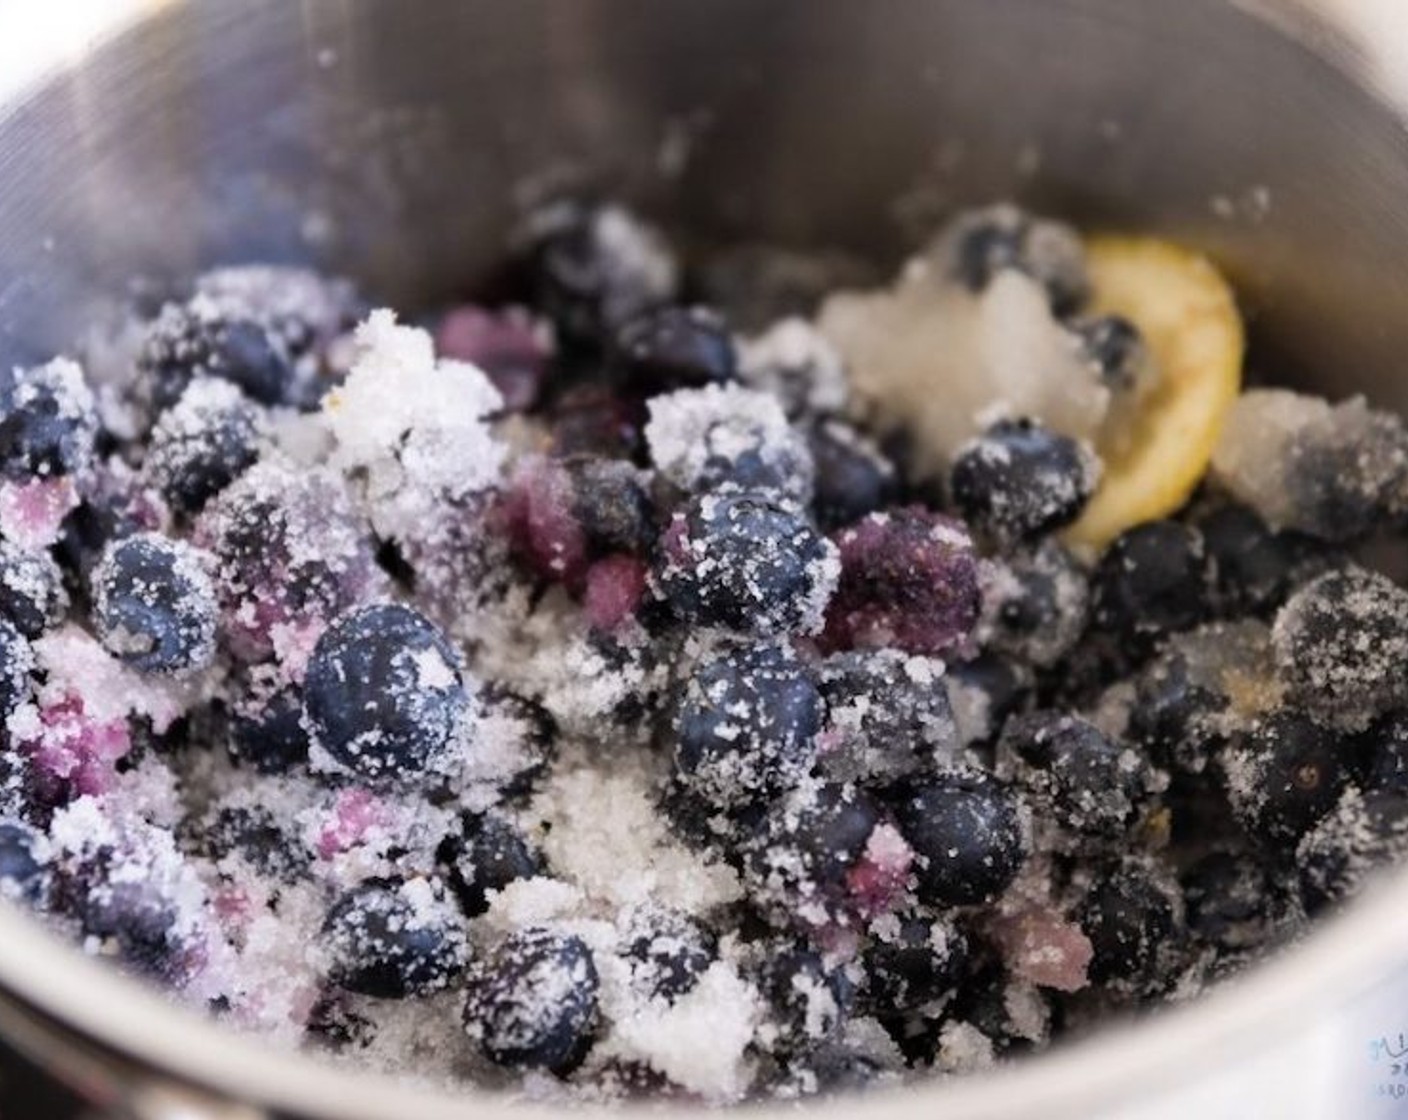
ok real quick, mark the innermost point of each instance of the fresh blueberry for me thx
(1341, 642)
(916, 964)
(1092, 786)
(1019, 480)
(486, 854)
(851, 479)
(667, 952)
(746, 561)
(909, 580)
(532, 1003)
(384, 694)
(193, 340)
(675, 348)
(745, 726)
(32, 594)
(889, 715)
(48, 421)
(268, 731)
(392, 938)
(202, 444)
(1284, 775)
(966, 829)
(1129, 917)
(1116, 347)
(1230, 900)
(24, 873)
(1152, 580)
(154, 604)
(806, 1000)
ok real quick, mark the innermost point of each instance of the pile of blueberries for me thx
(966, 779)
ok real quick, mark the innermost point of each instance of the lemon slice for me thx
(1188, 317)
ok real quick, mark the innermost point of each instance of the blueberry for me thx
(909, 580)
(597, 267)
(851, 479)
(384, 695)
(268, 731)
(1230, 900)
(1362, 834)
(1254, 568)
(253, 834)
(1092, 785)
(202, 444)
(1152, 580)
(32, 594)
(1019, 480)
(1345, 476)
(667, 953)
(1035, 604)
(1284, 775)
(24, 873)
(197, 339)
(982, 243)
(806, 1001)
(392, 938)
(48, 421)
(745, 726)
(923, 961)
(1117, 350)
(1129, 917)
(746, 561)
(594, 419)
(532, 1003)
(1340, 643)
(675, 348)
(889, 715)
(1171, 717)
(966, 829)
(154, 604)
(486, 854)
(125, 907)
(610, 504)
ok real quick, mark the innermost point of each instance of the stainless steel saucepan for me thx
(397, 142)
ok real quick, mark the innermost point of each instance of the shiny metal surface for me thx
(399, 142)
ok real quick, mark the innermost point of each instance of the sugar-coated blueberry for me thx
(1117, 349)
(24, 871)
(154, 604)
(920, 963)
(1130, 919)
(268, 732)
(850, 478)
(1230, 900)
(48, 421)
(393, 938)
(532, 1002)
(1285, 775)
(384, 693)
(198, 339)
(667, 952)
(966, 829)
(1019, 480)
(745, 726)
(806, 1000)
(202, 444)
(32, 594)
(255, 835)
(746, 561)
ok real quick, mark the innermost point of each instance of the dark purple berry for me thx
(1230, 900)
(1285, 775)
(667, 952)
(24, 874)
(1152, 580)
(675, 348)
(487, 854)
(850, 479)
(32, 592)
(154, 604)
(48, 422)
(806, 1001)
(199, 340)
(202, 444)
(922, 961)
(1130, 919)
